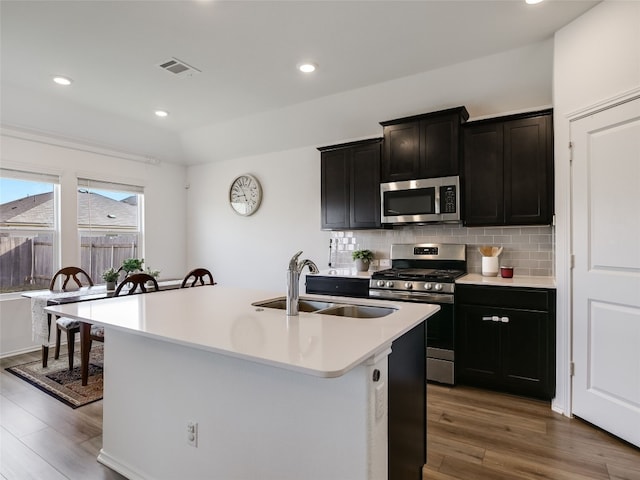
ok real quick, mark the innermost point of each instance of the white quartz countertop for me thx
(516, 281)
(222, 320)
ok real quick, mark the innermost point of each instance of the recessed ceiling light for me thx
(62, 80)
(162, 113)
(533, 2)
(307, 67)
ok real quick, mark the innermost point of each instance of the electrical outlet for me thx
(385, 262)
(192, 434)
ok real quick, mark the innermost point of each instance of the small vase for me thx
(111, 286)
(362, 265)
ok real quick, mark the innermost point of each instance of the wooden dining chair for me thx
(196, 277)
(69, 325)
(78, 275)
(135, 282)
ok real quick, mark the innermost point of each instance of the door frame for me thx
(564, 241)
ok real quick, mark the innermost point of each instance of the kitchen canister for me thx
(490, 266)
(490, 260)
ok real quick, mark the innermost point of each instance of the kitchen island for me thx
(269, 396)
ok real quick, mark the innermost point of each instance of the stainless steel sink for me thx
(303, 305)
(358, 311)
(329, 308)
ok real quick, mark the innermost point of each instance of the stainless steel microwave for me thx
(420, 201)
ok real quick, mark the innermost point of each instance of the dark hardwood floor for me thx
(472, 435)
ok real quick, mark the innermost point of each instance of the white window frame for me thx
(54, 229)
(88, 230)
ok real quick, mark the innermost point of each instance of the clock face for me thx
(245, 194)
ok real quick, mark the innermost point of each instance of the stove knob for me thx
(389, 284)
(427, 286)
(408, 285)
(438, 286)
(380, 283)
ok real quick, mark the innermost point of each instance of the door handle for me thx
(504, 319)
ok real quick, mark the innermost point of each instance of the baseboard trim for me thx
(20, 351)
(125, 470)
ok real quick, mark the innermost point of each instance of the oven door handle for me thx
(412, 296)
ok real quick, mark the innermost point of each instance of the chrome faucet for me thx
(293, 281)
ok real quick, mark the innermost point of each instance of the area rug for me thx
(62, 384)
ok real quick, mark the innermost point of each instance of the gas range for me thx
(426, 272)
(420, 272)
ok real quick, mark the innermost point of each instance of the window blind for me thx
(32, 176)
(101, 185)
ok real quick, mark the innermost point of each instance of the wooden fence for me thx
(97, 254)
(26, 263)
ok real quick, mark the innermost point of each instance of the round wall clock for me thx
(245, 194)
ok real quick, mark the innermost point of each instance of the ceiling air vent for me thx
(178, 68)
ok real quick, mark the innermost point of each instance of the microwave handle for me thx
(436, 200)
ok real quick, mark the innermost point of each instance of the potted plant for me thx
(111, 277)
(363, 259)
(131, 265)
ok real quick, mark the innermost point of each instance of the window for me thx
(28, 230)
(109, 224)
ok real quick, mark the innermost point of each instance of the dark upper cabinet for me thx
(508, 170)
(505, 339)
(350, 191)
(422, 146)
(483, 175)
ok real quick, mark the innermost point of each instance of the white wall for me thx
(596, 57)
(165, 206)
(254, 251)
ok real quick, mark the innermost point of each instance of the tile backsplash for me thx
(530, 250)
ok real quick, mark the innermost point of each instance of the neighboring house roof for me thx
(94, 209)
(34, 209)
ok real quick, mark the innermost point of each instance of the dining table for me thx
(41, 320)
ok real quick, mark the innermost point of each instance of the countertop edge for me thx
(516, 281)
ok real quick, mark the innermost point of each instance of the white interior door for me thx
(606, 277)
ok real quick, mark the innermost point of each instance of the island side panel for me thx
(408, 405)
(254, 421)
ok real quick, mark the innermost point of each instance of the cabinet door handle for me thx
(487, 319)
(504, 319)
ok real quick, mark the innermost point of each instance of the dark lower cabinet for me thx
(505, 339)
(508, 170)
(339, 286)
(350, 185)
